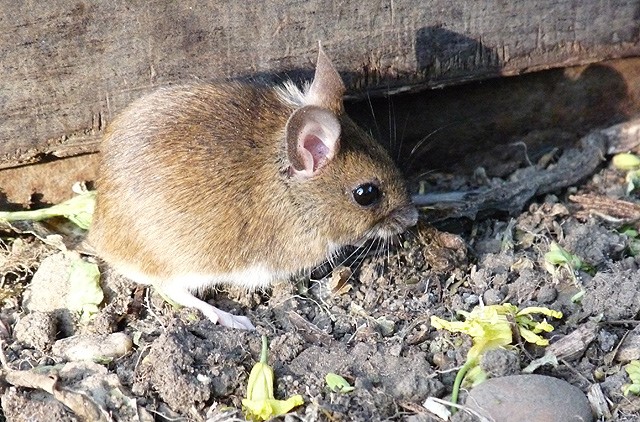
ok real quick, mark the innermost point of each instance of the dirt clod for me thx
(36, 330)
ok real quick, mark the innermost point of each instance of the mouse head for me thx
(349, 186)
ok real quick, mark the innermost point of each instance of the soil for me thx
(367, 320)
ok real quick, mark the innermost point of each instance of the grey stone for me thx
(531, 398)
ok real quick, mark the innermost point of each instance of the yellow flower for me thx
(490, 326)
(529, 329)
(260, 403)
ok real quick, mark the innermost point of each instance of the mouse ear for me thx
(327, 87)
(312, 135)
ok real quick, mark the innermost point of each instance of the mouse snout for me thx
(405, 216)
(396, 222)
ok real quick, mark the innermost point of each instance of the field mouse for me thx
(237, 183)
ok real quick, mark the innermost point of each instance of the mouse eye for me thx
(367, 194)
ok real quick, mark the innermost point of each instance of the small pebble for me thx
(492, 297)
(49, 291)
(472, 300)
(488, 246)
(607, 340)
(96, 348)
(500, 362)
(532, 398)
(547, 294)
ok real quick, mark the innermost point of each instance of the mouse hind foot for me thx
(184, 297)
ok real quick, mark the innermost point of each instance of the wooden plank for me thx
(496, 124)
(44, 183)
(68, 66)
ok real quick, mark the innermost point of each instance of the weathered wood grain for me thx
(68, 66)
(43, 183)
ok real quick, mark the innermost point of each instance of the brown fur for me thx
(194, 178)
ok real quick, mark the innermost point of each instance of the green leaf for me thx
(475, 377)
(626, 161)
(557, 255)
(338, 384)
(634, 247)
(629, 232)
(633, 180)
(85, 292)
(633, 369)
(577, 298)
(547, 359)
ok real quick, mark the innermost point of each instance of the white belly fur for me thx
(254, 277)
(251, 278)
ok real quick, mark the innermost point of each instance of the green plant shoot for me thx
(558, 256)
(626, 161)
(633, 369)
(79, 210)
(338, 384)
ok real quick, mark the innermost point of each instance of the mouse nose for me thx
(398, 221)
(406, 216)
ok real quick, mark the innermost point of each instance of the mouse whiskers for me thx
(373, 114)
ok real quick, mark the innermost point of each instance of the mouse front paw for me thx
(226, 319)
(182, 296)
(235, 321)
